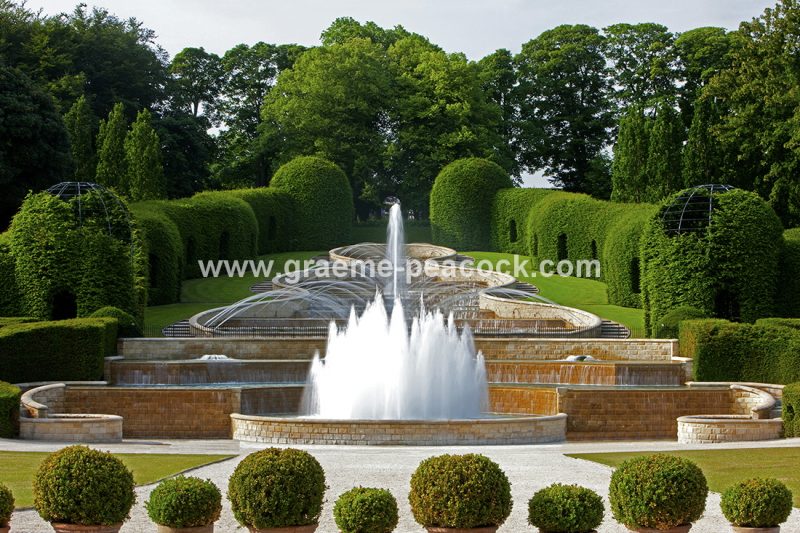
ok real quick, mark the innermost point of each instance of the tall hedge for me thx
(734, 261)
(274, 212)
(791, 410)
(9, 293)
(622, 256)
(163, 250)
(788, 297)
(511, 210)
(322, 202)
(64, 350)
(213, 225)
(461, 203)
(9, 410)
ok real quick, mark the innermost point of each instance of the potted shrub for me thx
(366, 510)
(565, 509)
(78, 489)
(757, 505)
(6, 508)
(276, 490)
(658, 493)
(185, 505)
(455, 493)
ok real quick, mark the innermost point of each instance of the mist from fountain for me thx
(377, 368)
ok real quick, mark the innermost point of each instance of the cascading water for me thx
(376, 368)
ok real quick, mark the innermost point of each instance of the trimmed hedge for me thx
(728, 270)
(27, 351)
(511, 210)
(622, 255)
(126, 324)
(787, 300)
(9, 293)
(668, 326)
(184, 502)
(791, 410)
(793, 323)
(163, 248)
(9, 411)
(757, 503)
(274, 212)
(461, 200)
(323, 202)
(366, 510)
(727, 351)
(375, 231)
(11, 320)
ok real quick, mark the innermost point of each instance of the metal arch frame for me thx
(669, 218)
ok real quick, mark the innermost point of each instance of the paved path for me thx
(529, 468)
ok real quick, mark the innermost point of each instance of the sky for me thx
(475, 27)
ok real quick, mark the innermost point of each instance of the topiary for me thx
(6, 505)
(366, 510)
(657, 491)
(323, 202)
(667, 326)
(184, 502)
(461, 201)
(9, 409)
(757, 503)
(460, 491)
(277, 488)
(791, 410)
(565, 509)
(79, 485)
(127, 326)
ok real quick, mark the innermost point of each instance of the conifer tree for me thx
(664, 153)
(629, 170)
(111, 170)
(79, 122)
(701, 158)
(143, 160)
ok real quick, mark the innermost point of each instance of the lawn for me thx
(18, 468)
(581, 293)
(205, 293)
(723, 468)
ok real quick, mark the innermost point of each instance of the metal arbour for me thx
(692, 210)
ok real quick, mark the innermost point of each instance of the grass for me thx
(581, 293)
(723, 468)
(206, 293)
(17, 469)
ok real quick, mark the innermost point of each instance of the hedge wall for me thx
(375, 231)
(213, 225)
(163, 249)
(729, 270)
(274, 212)
(27, 350)
(322, 202)
(511, 210)
(727, 351)
(9, 410)
(9, 293)
(788, 297)
(461, 200)
(791, 410)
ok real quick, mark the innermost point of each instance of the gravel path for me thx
(529, 468)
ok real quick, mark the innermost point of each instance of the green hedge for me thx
(668, 326)
(64, 350)
(788, 297)
(126, 324)
(791, 410)
(729, 269)
(163, 249)
(12, 320)
(375, 231)
(9, 293)
(9, 410)
(511, 210)
(727, 351)
(323, 202)
(622, 256)
(461, 200)
(793, 323)
(274, 212)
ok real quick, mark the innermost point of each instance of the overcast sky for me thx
(475, 27)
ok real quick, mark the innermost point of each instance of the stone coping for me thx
(583, 322)
(84, 428)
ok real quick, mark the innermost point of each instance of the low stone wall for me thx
(164, 349)
(714, 429)
(89, 428)
(586, 325)
(195, 372)
(559, 349)
(39, 402)
(275, 430)
(585, 373)
(523, 400)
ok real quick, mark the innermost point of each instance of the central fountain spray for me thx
(376, 367)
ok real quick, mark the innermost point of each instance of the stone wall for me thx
(732, 428)
(72, 428)
(585, 373)
(554, 349)
(523, 400)
(163, 349)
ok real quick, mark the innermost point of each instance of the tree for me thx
(563, 97)
(702, 54)
(111, 169)
(144, 161)
(343, 29)
(34, 146)
(663, 168)
(498, 78)
(187, 150)
(197, 78)
(701, 158)
(79, 122)
(629, 170)
(644, 63)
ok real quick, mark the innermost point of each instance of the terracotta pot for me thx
(79, 528)
(742, 529)
(197, 529)
(488, 529)
(5, 529)
(677, 529)
(310, 528)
